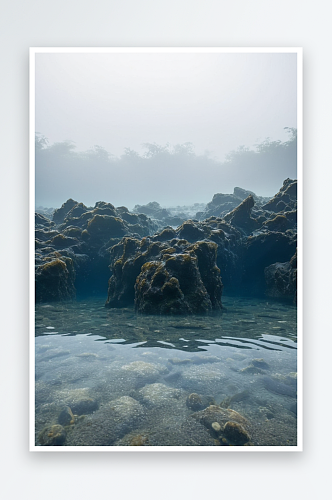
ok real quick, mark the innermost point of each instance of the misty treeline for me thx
(168, 174)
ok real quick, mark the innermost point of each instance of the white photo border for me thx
(162, 50)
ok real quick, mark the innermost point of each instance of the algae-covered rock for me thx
(54, 280)
(194, 402)
(198, 402)
(281, 280)
(66, 416)
(214, 413)
(52, 435)
(262, 250)
(106, 226)
(285, 199)
(170, 277)
(60, 213)
(171, 287)
(235, 433)
(228, 425)
(240, 217)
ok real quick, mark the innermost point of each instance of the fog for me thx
(173, 128)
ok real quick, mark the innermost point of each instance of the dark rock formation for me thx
(84, 235)
(260, 251)
(55, 280)
(165, 278)
(241, 218)
(285, 199)
(221, 203)
(281, 280)
(163, 267)
(60, 213)
(161, 216)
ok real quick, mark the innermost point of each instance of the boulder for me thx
(285, 199)
(281, 280)
(54, 280)
(170, 277)
(241, 218)
(60, 213)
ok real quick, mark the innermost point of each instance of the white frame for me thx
(123, 50)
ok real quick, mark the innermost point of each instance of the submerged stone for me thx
(52, 435)
(236, 433)
(66, 417)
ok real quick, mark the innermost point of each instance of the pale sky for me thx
(216, 101)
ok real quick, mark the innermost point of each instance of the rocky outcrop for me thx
(241, 218)
(84, 235)
(161, 267)
(55, 280)
(281, 280)
(285, 199)
(261, 251)
(161, 216)
(172, 277)
(222, 204)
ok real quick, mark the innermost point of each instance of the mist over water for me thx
(171, 175)
(173, 127)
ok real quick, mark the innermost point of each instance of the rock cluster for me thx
(72, 250)
(221, 204)
(166, 266)
(171, 277)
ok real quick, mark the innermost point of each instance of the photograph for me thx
(165, 249)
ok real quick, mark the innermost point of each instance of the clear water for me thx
(136, 373)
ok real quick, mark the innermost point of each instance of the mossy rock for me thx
(106, 226)
(55, 280)
(52, 435)
(172, 286)
(62, 241)
(60, 214)
(279, 223)
(190, 231)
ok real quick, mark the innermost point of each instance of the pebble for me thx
(216, 427)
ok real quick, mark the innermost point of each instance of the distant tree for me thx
(41, 141)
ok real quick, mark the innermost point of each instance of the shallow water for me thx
(127, 377)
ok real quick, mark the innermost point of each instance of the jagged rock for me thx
(241, 218)
(61, 241)
(281, 280)
(76, 211)
(260, 251)
(174, 284)
(104, 227)
(249, 236)
(280, 223)
(165, 277)
(222, 204)
(60, 213)
(78, 231)
(43, 221)
(243, 193)
(153, 209)
(55, 280)
(190, 231)
(285, 199)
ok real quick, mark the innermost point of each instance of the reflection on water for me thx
(109, 377)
